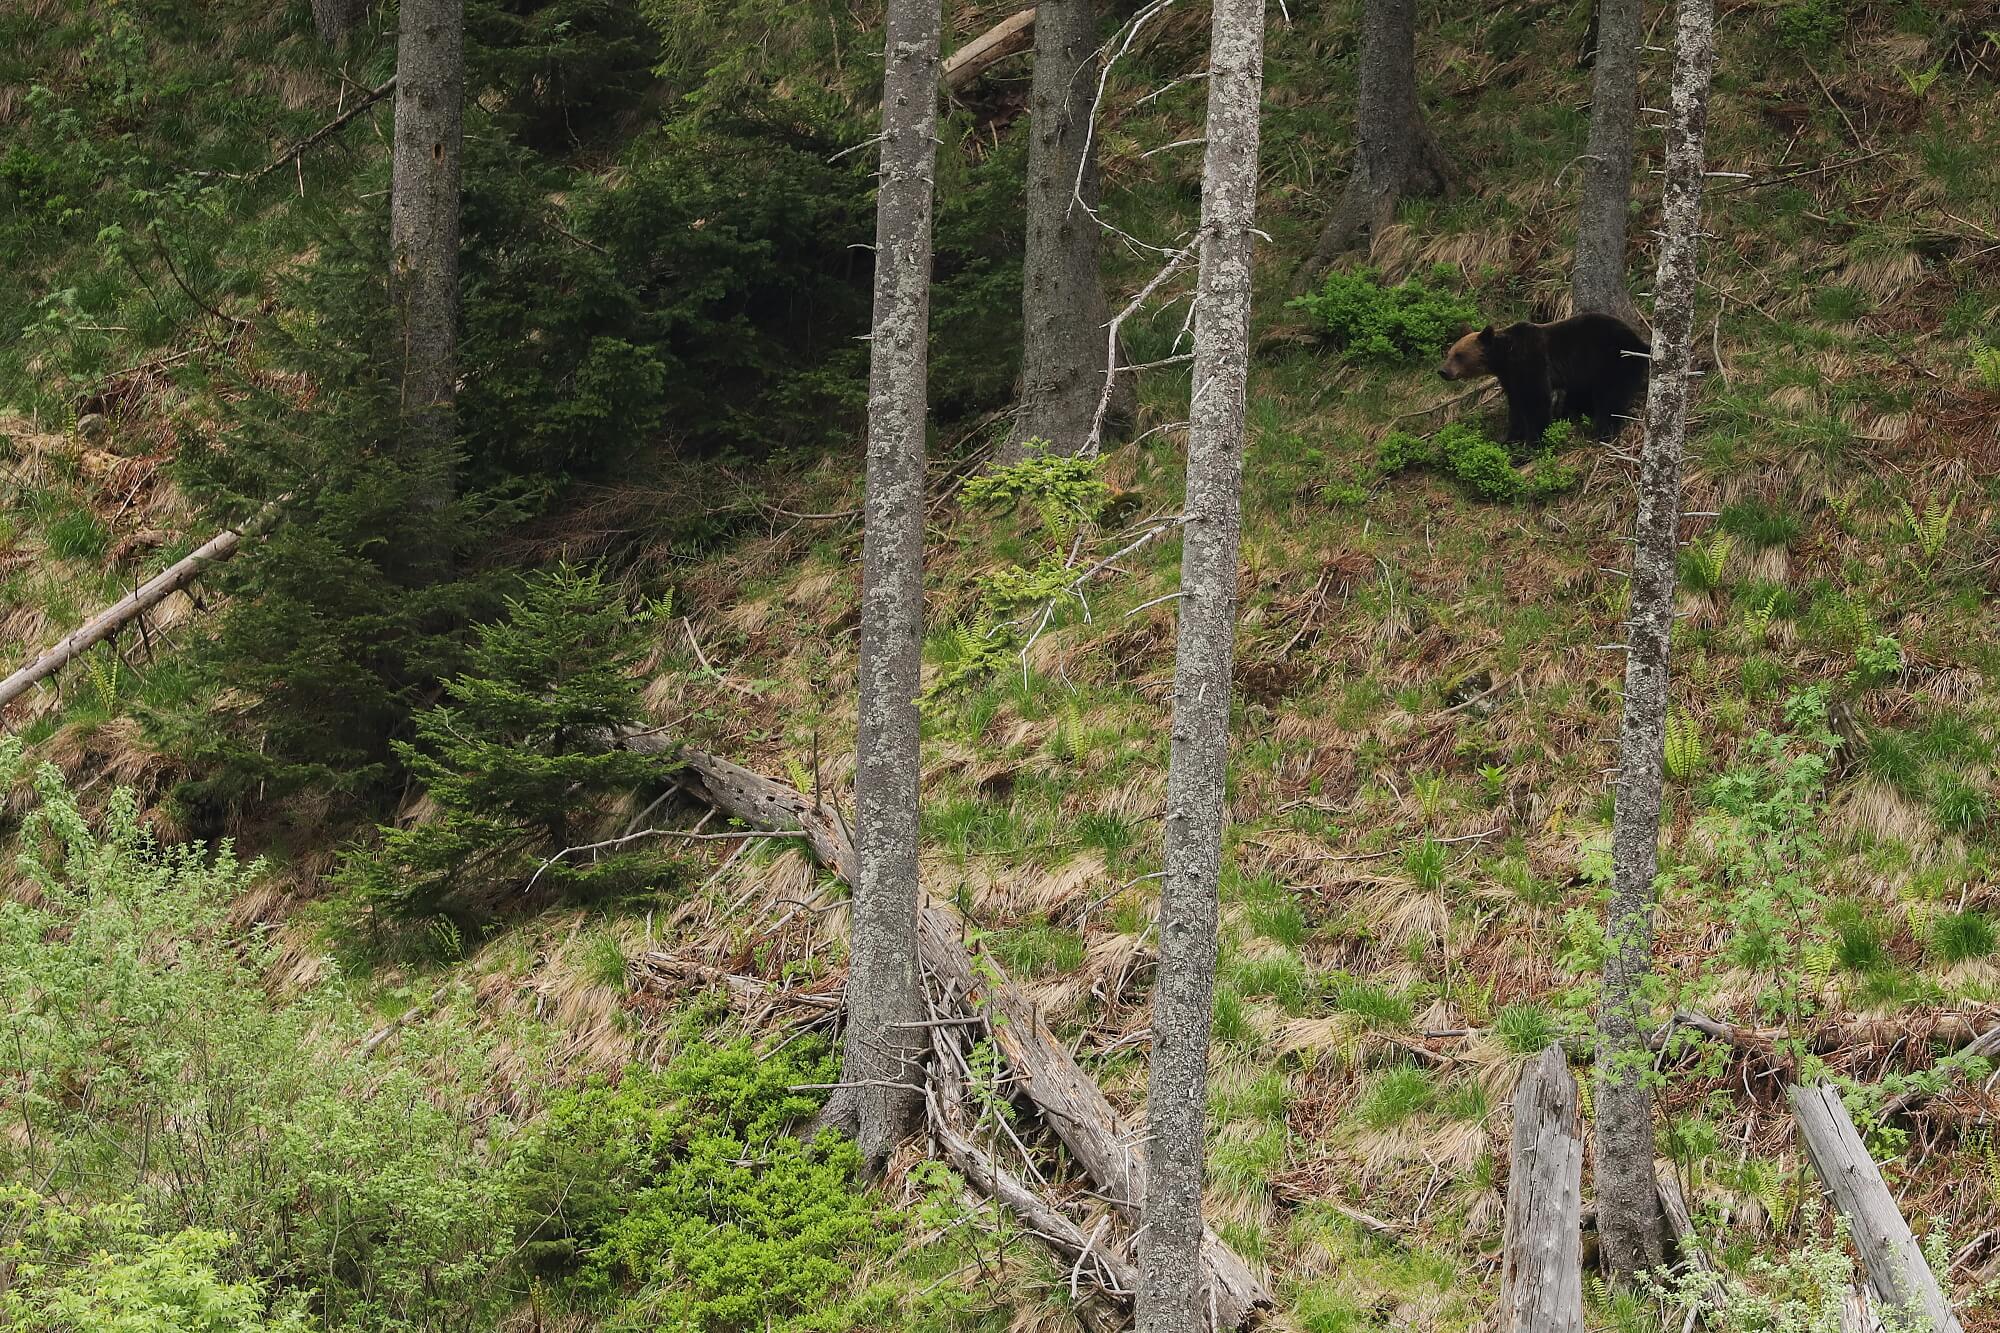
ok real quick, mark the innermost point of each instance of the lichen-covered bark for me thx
(1171, 1295)
(1630, 1223)
(1063, 310)
(1397, 156)
(1597, 280)
(883, 1049)
(423, 224)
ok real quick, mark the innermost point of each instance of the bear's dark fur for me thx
(1589, 366)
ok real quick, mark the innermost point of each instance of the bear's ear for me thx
(1486, 335)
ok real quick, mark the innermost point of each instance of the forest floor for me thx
(1427, 703)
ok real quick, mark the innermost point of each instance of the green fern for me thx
(1705, 562)
(1929, 528)
(1757, 620)
(1685, 753)
(103, 672)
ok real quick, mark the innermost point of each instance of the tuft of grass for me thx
(1892, 758)
(1395, 1097)
(1526, 1028)
(1232, 1021)
(1372, 1004)
(1958, 806)
(1107, 833)
(1037, 949)
(1857, 935)
(1762, 524)
(1964, 937)
(1426, 861)
(1283, 977)
(76, 534)
(604, 962)
(1840, 305)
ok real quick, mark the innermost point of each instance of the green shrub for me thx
(517, 759)
(99, 1266)
(1387, 325)
(1811, 26)
(1481, 464)
(685, 1197)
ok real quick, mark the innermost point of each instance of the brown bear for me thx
(1587, 366)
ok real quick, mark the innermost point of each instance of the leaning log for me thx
(1010, 36)
(1541, 1265)
(1897, 1272)
(133, 604)
(1986, 1046)
(1708, 1289)
(1069, 1100)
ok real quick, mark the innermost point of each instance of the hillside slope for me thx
(1427, 705)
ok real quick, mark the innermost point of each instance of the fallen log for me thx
(133, 604)
(1897, 1272)
(1541, 1264)
(1069, 1100)
(1011, 35)
(1986, 1046)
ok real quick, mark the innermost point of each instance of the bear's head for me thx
(1468, 356)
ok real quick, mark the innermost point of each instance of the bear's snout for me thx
(1444, 373)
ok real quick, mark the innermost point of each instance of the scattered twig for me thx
(333, 126)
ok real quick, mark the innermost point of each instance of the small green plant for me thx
(1063, 490)
(1919, 81)
(1928, 529)
(1986, 366)
(1685, 752)
(1480, 464)
(1809, 27)
(1839, 305)
(1762, 524)
(1370, 1003)
(1395, 1097)
(1388, 325)
(1703, 564)
(1878, 660)
(1493, 782)
(1526, 1029)
(1427, 861)
(1857, 936)
(1037, 949)
(1959, 806)
(1964, 937)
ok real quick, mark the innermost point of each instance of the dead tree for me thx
(1597, 278)
(1630, 1223)
(1010, 36)
(1541, 1261)
(1171, 1296)
(1897, 1273)
(883, 1051)
(423, 232)
(1396, 155)
(1063, 310)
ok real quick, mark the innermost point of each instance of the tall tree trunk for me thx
(334, 19)
(883, 1045)
(1397, 156)
(423, 229)
(1629, 1220)
(1063, 311)
(1171, 1295)
(1597, 282)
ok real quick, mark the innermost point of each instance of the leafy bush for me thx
(518, 759)
(1386, 325)
(1482, 464)
(685, 1197)
(97, 1266)
(1811, 26)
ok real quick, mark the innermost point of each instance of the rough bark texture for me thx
(1397, 154)
(1063, 310)
(1171, 1296)
(1897, 1273)
(1599, 277)
(883, 987)
(1104, 1144)
(1541, 1262)
(1597, 281)
(1010, 36)
(334, 19)
(129, 607)
(423, 224)
(1629, 1221)
(1693, 1259)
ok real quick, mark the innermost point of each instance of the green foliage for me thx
(684, 1199)
(150, 1067)
(97, 1266)
(1375, 1006)
(1037, 949)
(1386, 325)
(1063, 491)
(517, 759)
(1810, 27)
(1927, 529)
(1685, 752)
(1964, 937)
(1769, 850)
(1426, 861)
(1761, 523)
(1705, 564)
(1986, 367)
(1526, 1029)
(1394, 1097)
(1878, 660)
(1481, 464)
